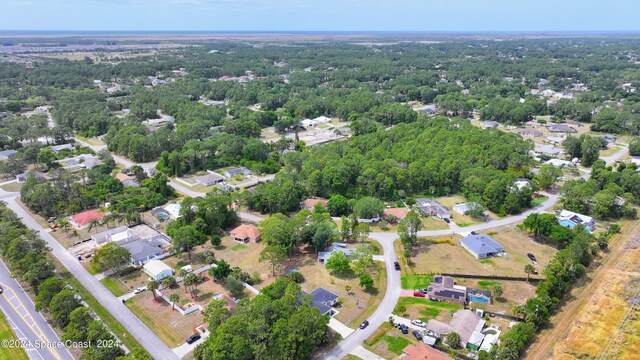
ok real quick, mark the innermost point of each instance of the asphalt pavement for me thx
(119, 311)
(30, 327)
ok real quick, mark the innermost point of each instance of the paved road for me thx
(121, 313)
(28, 324)
(351, 342)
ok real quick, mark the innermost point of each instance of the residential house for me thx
(85, 161)
(323, 300)
(421, 352)
(397, 213)
(326, 254)
(246, 233)
(555, 140)
(465, 323)
(563, 128)
(610, 139)
(464, 208)
(547, 150)
(322, 120)
(571, 219)
(521, 183)
(157, 270)
(429, 111)
(489, 124)
(433, 208)
(116, 235)
(173, 210)
(37, 174)
(558, 163)
(310, 204)
(308, 123)
(130, 183)
(57, 148)
(531, 124)
(122, 177)
(530, 133)
(482, 246)
(443, 288)
(82, 220)
(240, 170)
(144, 250)
(210, 179)
(6, 154)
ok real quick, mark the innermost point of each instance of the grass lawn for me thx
(125, 337)
(13, 353)
(93, 141)
(356, 305)
(430, 257)
(425, 310)
(351, 357)
(412, 282)
(12, 187)
(386, 345)
(171, 327)
(114, 286)
(539, 200)
(612, 149)
(431, 223)
(124, 284)
(239, 247)
(488, 284)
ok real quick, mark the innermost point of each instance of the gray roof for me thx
(130, 183)
(320, 299)
(482, 244)
(324, 255)
(143, 249)
(57, 148)
(240, 170)
(560, 128)
(210, 179)
(7, 153)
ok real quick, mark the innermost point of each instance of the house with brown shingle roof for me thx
(399, 213)
(309, 204)
(421, 352)
(246, 233)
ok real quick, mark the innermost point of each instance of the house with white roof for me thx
(322, 120)
(157, 270)
(571, 219)
(308, 123)
(173, 210)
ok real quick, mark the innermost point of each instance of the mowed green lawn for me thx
(428, 309)
(13, 353)
(413, 282)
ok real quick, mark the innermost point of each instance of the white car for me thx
(139, 290)
(420, 323)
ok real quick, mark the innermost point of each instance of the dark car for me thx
(364, 324)
(447, 220)
(404, 328)
(396, 265)
(532, 257)
(193, 338)
(417, 334)
(1, 290)
(474, 233)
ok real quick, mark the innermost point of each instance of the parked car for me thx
(447, 220)
(193, 338)
(139, 290)
(532, 257)
(52, 219)
(364, 324)
(418, 294)
(396, 265)
(417, 334)
(474, 233)
(419, 323)
(423, 290)
(1, 290)
(404, 328)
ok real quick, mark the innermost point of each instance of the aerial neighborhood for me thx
(299, 197)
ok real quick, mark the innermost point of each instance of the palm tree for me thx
(191, 280)
(93, 224)
(153, 286)
(174, 299)
(529, 269)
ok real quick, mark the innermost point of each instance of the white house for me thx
(308, 123)
(173, 210)
(521, 183)
(322, 120)
(571, 219)
(558, 163)
(157, 270)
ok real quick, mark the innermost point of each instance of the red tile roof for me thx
(246, 231)
(84, 218)
(122, 176)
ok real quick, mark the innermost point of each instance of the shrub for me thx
(296, 277)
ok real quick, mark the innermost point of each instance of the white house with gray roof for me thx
(482, 246)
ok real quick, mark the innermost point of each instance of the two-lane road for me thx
(29, 325)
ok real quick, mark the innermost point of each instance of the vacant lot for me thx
(438, 258)
(358, 303)
(168, 324)
(13, 353)
(244, 256)
(124, 284)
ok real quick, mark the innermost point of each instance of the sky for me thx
(324, 15)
